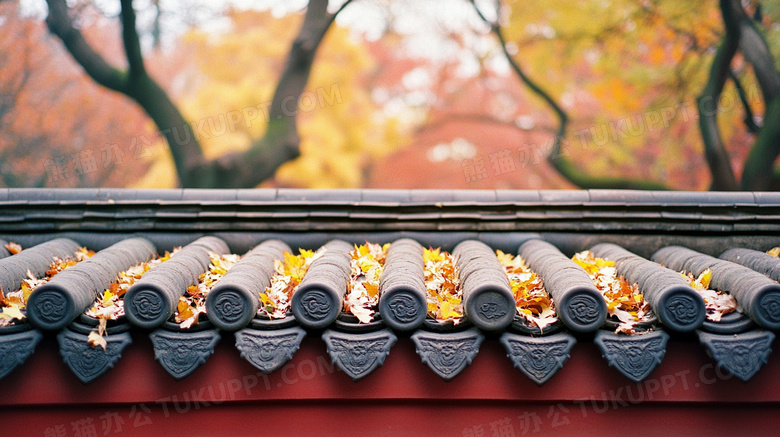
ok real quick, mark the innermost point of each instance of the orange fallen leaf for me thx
(13, 248)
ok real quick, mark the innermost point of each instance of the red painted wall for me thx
(685, 395)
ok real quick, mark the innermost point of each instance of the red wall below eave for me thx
(685, 395)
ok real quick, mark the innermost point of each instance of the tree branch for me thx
(756, 51)
(707, 104)
(137, 84)
(156, 26)
(61, 24)
(562, 164)
(281, 142)
(757, 174)
(758, 170)
(750, 122)
(132, 45)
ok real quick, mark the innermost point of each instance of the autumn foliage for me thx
(417, 106)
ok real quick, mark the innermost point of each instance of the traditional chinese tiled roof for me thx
(638, 230)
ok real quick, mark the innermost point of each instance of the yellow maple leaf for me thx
(362, 250)
(449, 310)
(433, 255)
(371, 288)
(26, 291)
(367, 263)
(12, 312)
(107, 298)
(504, 258)
(705, 278)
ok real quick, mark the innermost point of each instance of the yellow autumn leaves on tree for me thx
(342, 129)
(618, 69)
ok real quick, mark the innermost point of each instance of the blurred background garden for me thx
(649, 94)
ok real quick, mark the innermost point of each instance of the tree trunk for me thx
(758, 172)
(707, 104)
(184, 146)
(280, 143)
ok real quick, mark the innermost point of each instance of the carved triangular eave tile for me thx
(539, 358)
(88, 362)
(269, 350)
(635, 356)
(447, 354)
(358, 354)
(741, 354)
(16, 348)
(181, 353)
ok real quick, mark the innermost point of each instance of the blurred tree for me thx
(643, 58)
(280, 142)
(620, 89)
(55, 129)
(342, 131)
(743, 36)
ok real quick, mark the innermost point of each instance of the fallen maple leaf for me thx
(12, 312)
(94, 339)
(288, 273)
(357, 308)
(366, 267)
(13, 248)
(717, 302)
(442, 285)
(625, 302)
(531, 298)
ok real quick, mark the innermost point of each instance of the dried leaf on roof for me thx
(288, 274)
(717, 302)
(11, 309)
(366, 267)
(13, 303)
(193, 303)
(110, 304)
(531, 298)
(625, 302)
(12, 248)
(97, 338)
(444, 294)
(775, 251)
